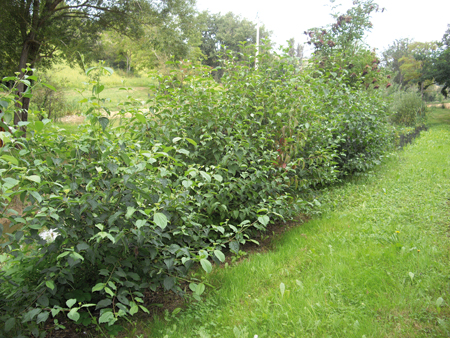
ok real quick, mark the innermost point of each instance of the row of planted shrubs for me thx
(136, 204)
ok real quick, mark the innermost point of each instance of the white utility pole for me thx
(257, 41)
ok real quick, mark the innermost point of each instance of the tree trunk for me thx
(21, 112)
(128, 63)
(30, 48)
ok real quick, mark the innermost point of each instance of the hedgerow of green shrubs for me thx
(136, 205)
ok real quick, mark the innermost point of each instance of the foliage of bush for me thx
(136, 205)
(408, 109)
(50, 102)
(341, 47)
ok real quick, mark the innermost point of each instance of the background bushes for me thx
(408, 109)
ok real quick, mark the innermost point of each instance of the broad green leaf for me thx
(176, 139)
(206, 265)
(114, 217)
(25, 82)
(191, 141)
(125, 158)
(9, 183)
(234, 247)
(187, 183)
(103, 303)
(36, 195)
(200, 289)
(3, 257)
(106, 317)
(42, 317)
(264, 220)
(112, 167)
(104, 121)
(73, 314)
(64, 254)
(130, 212)
(140, 223)
(49, 86)
(193, 286)
(50, 284)
(98, 88)
(143, 308)
(160, 220)
(43, 301)
(76, 255)
(134, 308)
(98, 287)
(70, 302)
(109, 70)
(206, 176)
(18, 235)
(10, 159)
(183, 151)
(439, 301)
(218, 177)
(169, 282)
(31, 314)
(5, 137)
(9, 324)
(109, 291)
(34, 178)
(219, 254)
(9, 78)
(141, 118)
(38, 125)
(82, 246)
(56, 311)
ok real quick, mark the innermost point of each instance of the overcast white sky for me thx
(422, 21)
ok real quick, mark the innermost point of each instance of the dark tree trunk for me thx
(21, 113)
(30, 50)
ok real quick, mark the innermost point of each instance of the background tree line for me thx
(420, 64)
(144, 34)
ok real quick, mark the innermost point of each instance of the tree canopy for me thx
(222, 33)
(440, 67)
(38, 31)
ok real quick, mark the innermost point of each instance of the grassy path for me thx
(376, 264)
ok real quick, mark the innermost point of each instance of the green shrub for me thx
(408, 109)
(135, 205)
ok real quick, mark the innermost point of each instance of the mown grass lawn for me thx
(374, 264)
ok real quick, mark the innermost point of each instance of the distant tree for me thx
(391, 59)
(222, 33)
(438, 68)
(295, 50)
(36, 31)
(415, 63)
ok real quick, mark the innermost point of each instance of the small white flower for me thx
(49, 235)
